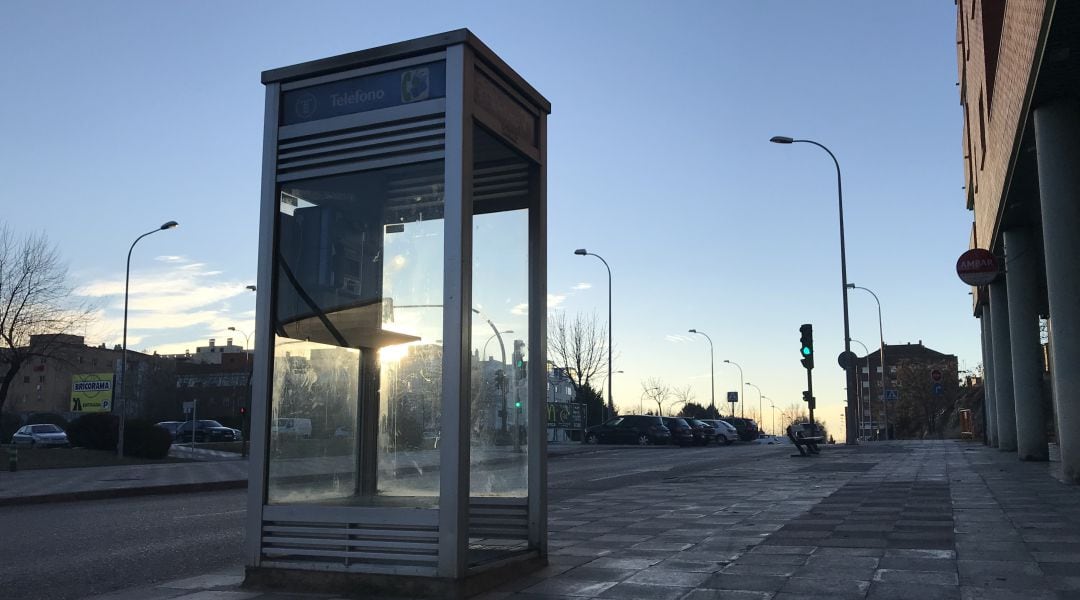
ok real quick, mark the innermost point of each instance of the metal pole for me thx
(865, 419)
(712, 369)
(742, 387)
(584, 252)
(123, 404)
(761, 413)
(850, 423)
(881, 356)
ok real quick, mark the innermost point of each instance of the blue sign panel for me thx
(939, 389)
(361, 94)
(733, 396)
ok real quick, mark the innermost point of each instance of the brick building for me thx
(1019, 85)
(872, 421)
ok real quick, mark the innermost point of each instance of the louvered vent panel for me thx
(346, 544)
(363, 147)
(498, 518)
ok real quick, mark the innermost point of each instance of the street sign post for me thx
(733, 397)
(892, 395)
(935, 376)
(939, 389)
(847, 360)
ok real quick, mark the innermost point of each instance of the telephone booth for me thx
(398, 416)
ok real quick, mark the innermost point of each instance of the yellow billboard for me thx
(91, 392)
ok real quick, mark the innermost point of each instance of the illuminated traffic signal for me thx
(807, 345)
(517, 404)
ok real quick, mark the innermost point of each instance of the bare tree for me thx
(656, 390)
(684, 394)
(36, 307)
(579, 346)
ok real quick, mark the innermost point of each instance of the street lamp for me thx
(773, 429)
(122, 408)
(864, 420)
(584, 252)
(881, 356)
(761, 415)
(741, 388)
(712, 368)
(780, 139)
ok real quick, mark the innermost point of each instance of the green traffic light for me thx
(517, 405)
(806, 351)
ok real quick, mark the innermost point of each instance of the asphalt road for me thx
(78, 549)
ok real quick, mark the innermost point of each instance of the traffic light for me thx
(517, 404)
(522, 370)
(807, 345)
(807, 398)
(243, 410)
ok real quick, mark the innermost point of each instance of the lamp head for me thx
(850, 286)
(726, 360)
(693, 331)
(781, 139)
(232, 329)
(169, 225)
(580, 252)
(250, 287)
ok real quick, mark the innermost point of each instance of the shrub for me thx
(96, 431)
(9, 424)
(146, 440)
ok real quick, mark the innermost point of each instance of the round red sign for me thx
(977, 267)
(935, 376)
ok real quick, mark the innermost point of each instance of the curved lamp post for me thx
(864, 420)
(773, 428)
(881, 341)
(741, 388)
(780, 139)
(712, 369)
(761, 415)
(122, 408)
(584, 252)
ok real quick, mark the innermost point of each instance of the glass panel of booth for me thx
(357, 376)
(500, 327)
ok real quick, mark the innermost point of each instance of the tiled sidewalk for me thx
(919, 520)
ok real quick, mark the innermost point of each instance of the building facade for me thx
(1019, 84)
(874, 418)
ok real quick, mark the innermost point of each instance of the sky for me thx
(117, 116)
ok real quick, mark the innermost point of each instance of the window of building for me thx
(26, 379)
(41, 379)
(982, 132)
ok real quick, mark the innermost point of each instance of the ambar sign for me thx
(977, 267)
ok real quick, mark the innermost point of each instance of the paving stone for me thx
(916, 577)
(727, 595)
(753, 583)
(644, 591)
(832, 588)
(972, 593)
(905, 591)
(569, 587)
(669, 577)
(918, 564)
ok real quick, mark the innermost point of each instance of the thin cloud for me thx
(554, 300)
(677, 339)
(581, 286)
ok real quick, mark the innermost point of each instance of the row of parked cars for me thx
(647, 430)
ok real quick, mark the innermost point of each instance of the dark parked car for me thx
(170, 426)
(704, 433)
(207, 431)
(630, 429)
(681, 433)
(747, 428)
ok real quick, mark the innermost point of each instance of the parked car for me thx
(45, 434)
(170, 426)
(207, 430)
(681, 433)
(291, 426)
(725, 432)
(630, 429)
(704, 433)
(747, 428)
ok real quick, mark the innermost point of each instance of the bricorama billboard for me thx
(91, 392)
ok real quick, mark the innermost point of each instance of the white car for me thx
(40, 435)
(725, 432)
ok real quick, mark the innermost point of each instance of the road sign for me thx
(939, 389)
(733, 397)
(847, 360)
(891, 395)
(935, 376)
(977, 267)
(188, 406)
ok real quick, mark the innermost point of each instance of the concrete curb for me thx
(128, 492)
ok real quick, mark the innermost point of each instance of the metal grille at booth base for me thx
(496, 526)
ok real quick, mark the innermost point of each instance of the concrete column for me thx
(1022, 285)
(1057, 141)
(988, 379)
(1003, 379)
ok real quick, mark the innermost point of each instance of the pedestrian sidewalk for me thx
(212, 471)
(921, 520)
